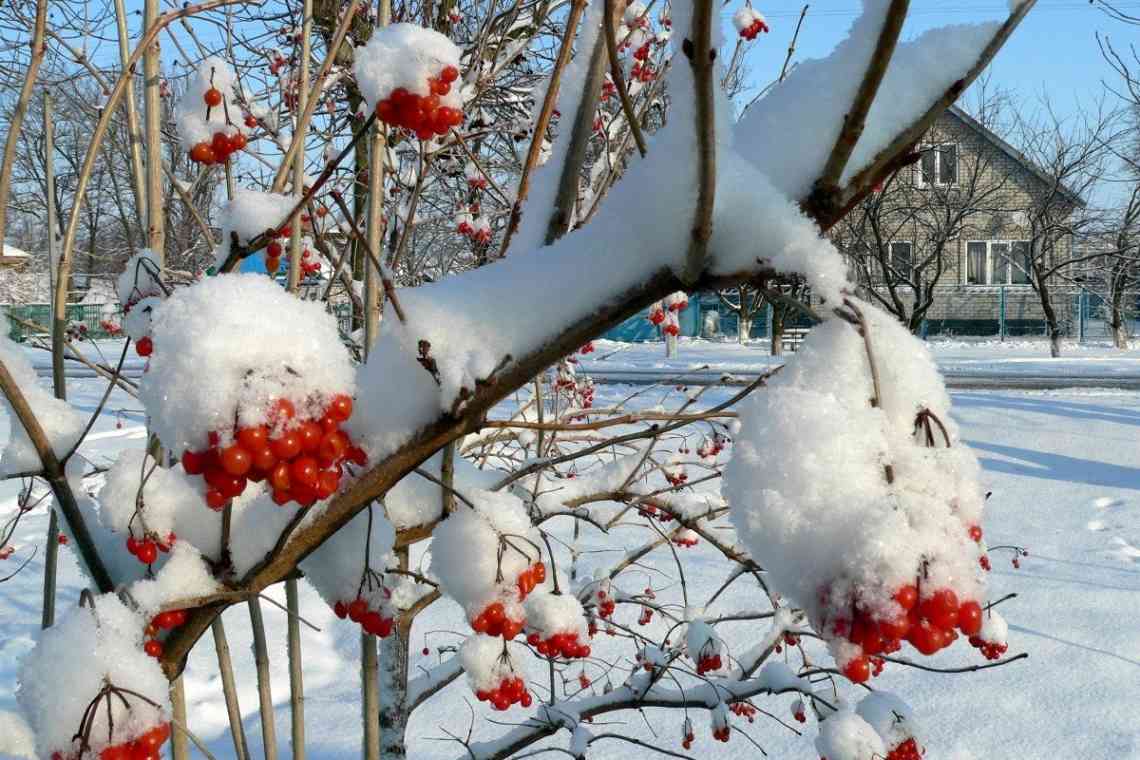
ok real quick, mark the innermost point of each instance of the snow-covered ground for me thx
(954, 357)
(1064, 468)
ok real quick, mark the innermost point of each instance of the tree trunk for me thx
(1052, 327)
(1116, 318)
(394, 693)
(670, 346)
(744, 328)
(777, 336)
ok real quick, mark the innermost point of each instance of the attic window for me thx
(939, 166)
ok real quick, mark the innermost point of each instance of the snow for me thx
(823, 519)
(1063, 468)
(918, 73)
(184, 576)
(247, 343)
(336, 568)
(70, 665)
(539, 206)
(846, 736)
(165, 494)
(61, 423)
(250, 213)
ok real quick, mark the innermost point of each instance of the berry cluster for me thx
(642, 72)
(510, 691)
(991, 650)
(372, 621)
(753, 30)
(646, 616)
(219, 149)
(302, 464)
(928, 625)
(710, 447)
(145, 747)
(606, 604)
(163, 621)
(686, 538)
(675, 474)
(494, 621)
(146, 549)
(422, 114)
(907, 750)
(564, 645)
(743, 710)
(687, 734)
(722, 733)
(529, 578)
(473, 225)
(707, 663)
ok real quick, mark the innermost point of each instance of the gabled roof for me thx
(1013, 153)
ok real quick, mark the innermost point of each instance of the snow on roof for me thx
(12, 252)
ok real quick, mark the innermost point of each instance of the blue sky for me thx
(1054, 50)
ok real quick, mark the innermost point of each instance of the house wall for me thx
(1009, 187)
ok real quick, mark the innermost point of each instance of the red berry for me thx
(304, 470)
(236, 460)
(286, 447)
(449, 74)
(147, 552)
(213, 97)
(202, 153)
(970, 618)
(357, 609)
(309, 434)
(282, 410)
(941, 609)
(274, 251)
(907, 597)
(144, 346)
(253, 438)
(858, 669)
(193, 463)
(153, 647)
(340, 408)
(215, 500)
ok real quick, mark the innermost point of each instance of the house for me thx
(946, 243)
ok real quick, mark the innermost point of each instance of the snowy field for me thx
(954, 357)
(1064, 468)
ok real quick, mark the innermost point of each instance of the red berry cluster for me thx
(646, 616)
(707, 663)
(642, 72)
(559, 645)
(686, 539)
(422, 114)
(752, 31)
(907, 750)
(676, 475)
(145, 747)
(928, 626)
(529, 578)
(722, 733)
(587, 349)
(219, 149)
(510, 691)
(146, 549)
(687, 734)
(991, 650)
(372, 621)
(710, 447)
(109, 327)
(494, 621)
(309, 263)
(302, 464)
(606, 604)
(743, 710)
(163, 621)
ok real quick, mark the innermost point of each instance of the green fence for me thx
(39, 314)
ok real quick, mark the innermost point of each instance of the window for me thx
(997, 262)
(939, 165)
(902, 260)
